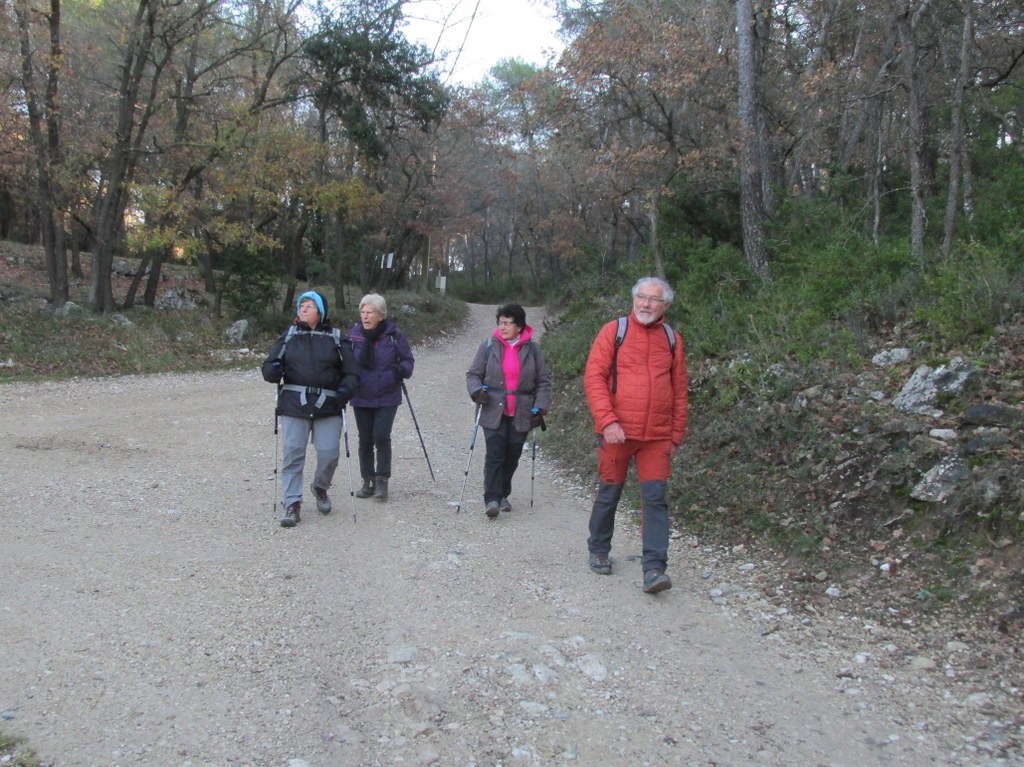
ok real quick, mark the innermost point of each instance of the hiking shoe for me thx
(380, 488)
(492, 509)
(291, 515)
(504, 505)
(323, 503)
(600, 564)
(366, 490)
(655, 581)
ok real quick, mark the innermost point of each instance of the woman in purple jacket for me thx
(383, 359)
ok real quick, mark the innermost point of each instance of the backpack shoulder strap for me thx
(493, 348)
(335, 333)
(620, 336)
(671, 338)
(287, 337)
(620, 331)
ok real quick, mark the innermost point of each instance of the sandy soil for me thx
(152, 611)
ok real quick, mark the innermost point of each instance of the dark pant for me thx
(655, 522)
(374, 424)
(504, 447)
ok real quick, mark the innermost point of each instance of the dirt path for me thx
(152, 612)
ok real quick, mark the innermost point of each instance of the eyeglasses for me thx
(506, 323)
(648, 299)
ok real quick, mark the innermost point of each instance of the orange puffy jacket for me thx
(650, 401)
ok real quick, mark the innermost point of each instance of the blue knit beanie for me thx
(317, 299)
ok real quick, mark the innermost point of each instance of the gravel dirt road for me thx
(152, 611)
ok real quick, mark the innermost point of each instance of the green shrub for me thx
(965, 297)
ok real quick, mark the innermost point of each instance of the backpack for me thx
(292, 330)
(620, 336)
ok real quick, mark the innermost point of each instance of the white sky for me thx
(501, 29)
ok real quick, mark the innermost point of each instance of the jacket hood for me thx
(524, 336)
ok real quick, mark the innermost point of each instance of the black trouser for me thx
(504, 447)
(374, 424)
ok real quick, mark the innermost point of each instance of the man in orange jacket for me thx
(636, 387)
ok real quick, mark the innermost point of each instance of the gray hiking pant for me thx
(654, 520)
(295, 435)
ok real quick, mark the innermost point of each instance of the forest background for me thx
(819, 179)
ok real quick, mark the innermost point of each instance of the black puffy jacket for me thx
(318, 360)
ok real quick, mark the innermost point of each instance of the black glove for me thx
(344, 395)
(274, 372)
(537, 419)
(481, 397)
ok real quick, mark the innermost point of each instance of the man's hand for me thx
(613, 434)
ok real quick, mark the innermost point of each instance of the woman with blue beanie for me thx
(316, 374)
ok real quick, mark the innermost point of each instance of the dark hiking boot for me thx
(366, 490)
(380, 489)
(291, 515)
(655, 581)
(492, 509)
(323, 503)
(504, 505)
(600, 564)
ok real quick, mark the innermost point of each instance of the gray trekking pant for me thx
(655, 524)
(295, 435)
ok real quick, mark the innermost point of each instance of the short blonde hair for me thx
(376, 302)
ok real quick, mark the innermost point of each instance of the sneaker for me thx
(504, 505)
(291, 515)
(655, 581)
(600, 564)
(323, 503)
(492, 509)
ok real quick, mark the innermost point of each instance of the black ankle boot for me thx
(366, 490)
(380, 491)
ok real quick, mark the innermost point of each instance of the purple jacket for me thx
(380, 385)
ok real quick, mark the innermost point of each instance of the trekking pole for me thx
(348, 454)
(273, 501)
(418, 434)
(472, 444)
(533, 461)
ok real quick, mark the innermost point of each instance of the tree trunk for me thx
(119, 170)
(751, 203)
(958, 158)
(915, 124)
(47, 151)
(334, 248)
(294, 261)
(153, 278)
(653, 218)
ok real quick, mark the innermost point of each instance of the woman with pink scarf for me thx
(509, 382)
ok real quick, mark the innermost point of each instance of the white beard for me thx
(645, 320)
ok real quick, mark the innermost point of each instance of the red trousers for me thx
(653, 460)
